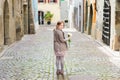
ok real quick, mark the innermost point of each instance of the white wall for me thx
(64, 10)
(71, 16)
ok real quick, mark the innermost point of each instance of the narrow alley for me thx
(33, 58)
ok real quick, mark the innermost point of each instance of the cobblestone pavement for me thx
(32, 58)
(86, 61)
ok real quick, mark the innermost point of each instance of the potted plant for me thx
(48, 17)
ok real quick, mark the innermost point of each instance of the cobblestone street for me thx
(33, 58)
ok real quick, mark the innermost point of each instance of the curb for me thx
(8, 47)
(105, 47)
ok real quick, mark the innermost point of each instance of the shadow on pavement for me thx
(62, 77)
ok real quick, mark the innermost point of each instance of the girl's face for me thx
(61, 26)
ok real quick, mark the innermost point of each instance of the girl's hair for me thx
(59, 23)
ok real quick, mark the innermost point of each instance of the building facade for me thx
(64, 9)
(76, 14)
(102, 21)
(13, 21)
(82, 16)
(105, 25)
(98, 18)
(48, 5)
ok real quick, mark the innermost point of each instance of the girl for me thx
(60, 46)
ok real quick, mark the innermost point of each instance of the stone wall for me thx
(12, 21)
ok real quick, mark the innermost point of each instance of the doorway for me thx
(80, 18)
(90, 20)
(6, 22)
(41, 17)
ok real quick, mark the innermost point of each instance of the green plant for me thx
(48, 16)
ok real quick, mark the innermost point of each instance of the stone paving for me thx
(86, 61)
(30, 59)
(33, 58)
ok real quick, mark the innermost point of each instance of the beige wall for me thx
(54, 8)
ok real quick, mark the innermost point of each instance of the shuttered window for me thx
(106, 22)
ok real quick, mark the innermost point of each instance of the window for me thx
(52, 1)
(40, 1)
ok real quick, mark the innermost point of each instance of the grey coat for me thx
(60, 43)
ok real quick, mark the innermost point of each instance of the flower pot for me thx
(49, 22)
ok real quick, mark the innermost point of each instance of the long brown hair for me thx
(59, 23)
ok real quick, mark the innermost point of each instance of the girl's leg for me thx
(57, 62)
(62, 63)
